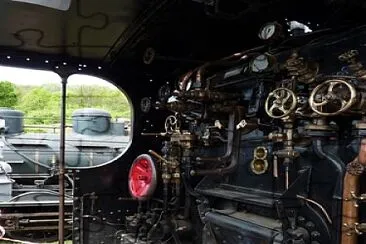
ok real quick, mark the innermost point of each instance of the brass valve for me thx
(277, 136)
(351, 57)
(300, 69)
(356, 228)
(356, 199)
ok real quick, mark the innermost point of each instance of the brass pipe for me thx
(350, 188)
(61, 176)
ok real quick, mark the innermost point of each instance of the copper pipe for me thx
(200, 70)
(350, 187)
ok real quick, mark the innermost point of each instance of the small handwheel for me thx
(283, 102)
(332, 97)
(171, 124)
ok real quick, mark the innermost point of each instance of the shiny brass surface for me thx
(325, 95)
(259, 164)
(280, 103)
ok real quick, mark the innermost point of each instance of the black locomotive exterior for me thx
(29, 187)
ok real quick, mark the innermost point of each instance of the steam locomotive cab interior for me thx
(247, 121)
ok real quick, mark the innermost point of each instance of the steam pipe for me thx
(234, 155)
(229, 147)
(61, 182)
(350, 209)
(319, 151)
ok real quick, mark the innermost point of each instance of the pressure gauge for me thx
(270, 31)
(145, 104)
(164, 92)
(260, 63)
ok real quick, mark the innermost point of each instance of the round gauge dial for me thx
(145, 104)
(164, 92)
(260, 63)
(267, 31)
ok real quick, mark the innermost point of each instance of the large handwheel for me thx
(332, 97)
(280, 103)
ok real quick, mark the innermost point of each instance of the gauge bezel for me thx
(254, 60)
(141, 104)
(277, 31)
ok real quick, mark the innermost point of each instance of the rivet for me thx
(80, 65)
(151, 80)
(64, 63)
(28, 59)
(84, 66)
(79, 69)
(99, 210)
(118, 219)
(94, 219)
(8, 57)
(103, 218)
(119, 210)
(46, 61)
(99, 67)
(56, 67)
(111, 213)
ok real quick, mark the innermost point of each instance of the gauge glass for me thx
(260, 63)
(267, 31)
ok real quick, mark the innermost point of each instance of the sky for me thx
(22, 76)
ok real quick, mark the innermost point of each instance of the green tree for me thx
(8, 94)
(37, 99)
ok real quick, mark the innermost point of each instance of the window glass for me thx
(97, 121)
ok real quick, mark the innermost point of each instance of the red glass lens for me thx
(142, 177)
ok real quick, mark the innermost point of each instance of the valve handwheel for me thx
(171, 124)
(280, 103)
(332, 97)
